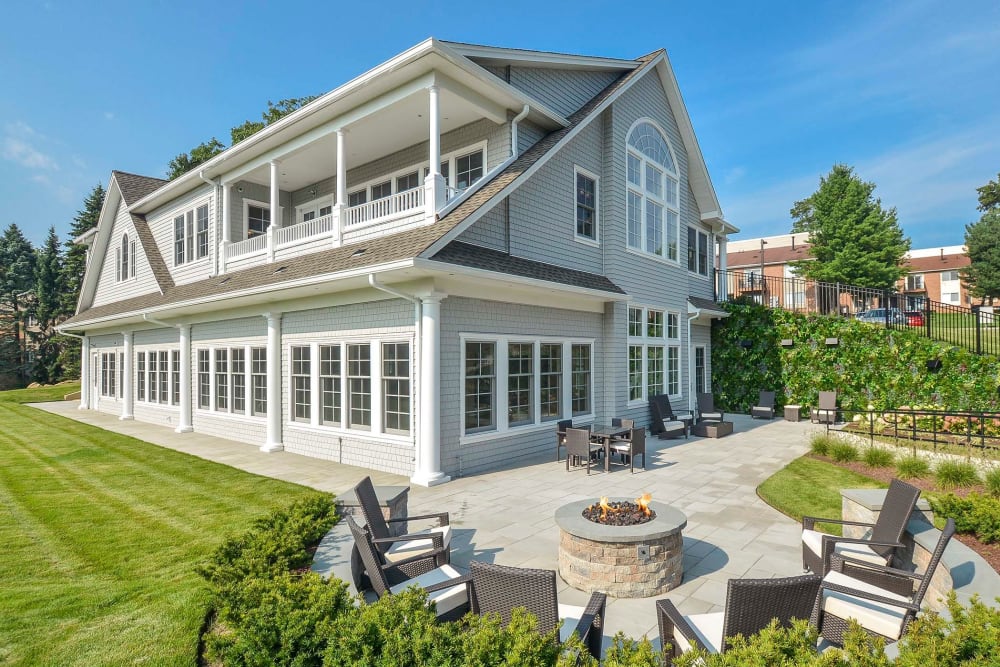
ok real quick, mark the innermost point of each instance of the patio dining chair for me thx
(706, 409)
(632, 446)
(446, 587)
(561, 427)
(399, 547)
(499, 588)
(580, 451)
(852, 591)
(663, 422)
(826, 412)
(878, 547)
(765, 406)
(751, 604)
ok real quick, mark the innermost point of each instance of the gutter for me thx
(417, 352)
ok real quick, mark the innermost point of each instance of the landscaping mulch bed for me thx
(989, 552)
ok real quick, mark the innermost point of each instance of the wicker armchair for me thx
(707, 411)
(826, 413)
(500, 588)
(879, 547)
(750, 606)
(663, 422)
(765, 406)
(634, 445)
(881, 612)
(400, 547)
(561, 427)
(447, 588)
(579, 448)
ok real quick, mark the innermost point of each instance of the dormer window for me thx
(125, 259)
(191, 235)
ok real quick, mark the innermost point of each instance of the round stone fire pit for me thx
(636, 561)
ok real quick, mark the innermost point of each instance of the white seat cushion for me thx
(886, 620)
(715, 416)
(446, 599)
(673, 426)
(813, 539)
(570, 615)
(400, 550)
(708, 627)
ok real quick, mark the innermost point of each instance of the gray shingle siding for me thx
(562, 90)
(161, 224)
(470, 316)
(490, 231)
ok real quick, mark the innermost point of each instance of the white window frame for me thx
(247, 203)
(646, 196)
(313, 206)
(153, 353)
(501, 341)
(596, 241)
(129, 243)
(212, 409)
(645, 341)
(377, 429)
(697, 271)
(182, 211)
(110, 382)
(705, 384)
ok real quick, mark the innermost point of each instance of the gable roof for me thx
(135, 187)
(772, 256)
(941, 262)
(153, 256)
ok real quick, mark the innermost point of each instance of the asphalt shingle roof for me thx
(134, 187)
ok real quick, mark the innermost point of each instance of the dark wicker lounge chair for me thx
(579, 448)
(707, 411)
(750, 606)
(881, 612)
(634, 445)
(878, 548)
(826, 413)
(561, 427)
(500, 588)
(765, 406)
(397, 548)
(663, 422)
(447, 588)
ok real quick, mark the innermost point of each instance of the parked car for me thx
(877, 316)
(914, 318)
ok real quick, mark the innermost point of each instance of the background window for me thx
(654, 370)
(480, 386)
(204, 379)
(258, 220)
(654, 324)
(222, 379)
(140, 376)
(202, 215)
(408, 182)
(359, 374)
(258, 380)
(179, 240)
(301, 384)
(396, 387)
(586, 206)
(382, 190)
(634, 372)
(580, 379)
(673, 371)
(519, 383)
(550, 372)
(329, 384)
(699, 370)
(635, 322)
(238, 367)
(468, 169)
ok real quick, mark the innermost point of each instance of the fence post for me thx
(836, 297)
(979, 330)
(885, 297)
(927, 317)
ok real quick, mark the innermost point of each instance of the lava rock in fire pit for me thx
(618, 513)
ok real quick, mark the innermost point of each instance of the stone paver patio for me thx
(506, 516)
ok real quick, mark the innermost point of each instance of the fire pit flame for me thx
(621, 513)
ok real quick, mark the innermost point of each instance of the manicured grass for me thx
(810, 487)
(100, 535)
(54, 392)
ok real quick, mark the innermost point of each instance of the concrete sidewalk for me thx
(506, 516)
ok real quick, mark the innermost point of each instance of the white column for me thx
(723, 289)
(434, 185)
(85, 373)
(275, 212)
(185, 425)
(427, 471)
(129, 400)
(273, 441)
(227, 208)
(340, 203)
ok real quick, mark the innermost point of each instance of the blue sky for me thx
(778, 92)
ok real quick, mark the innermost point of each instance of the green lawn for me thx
(809, 487)
(100, 534)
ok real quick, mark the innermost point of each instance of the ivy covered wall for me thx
(870, 365)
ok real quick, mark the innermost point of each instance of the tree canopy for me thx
(982, 243)
(853, 240)
(989, 195)
(75, 261)
(205, 151)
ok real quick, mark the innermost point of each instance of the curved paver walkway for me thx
(507, 516)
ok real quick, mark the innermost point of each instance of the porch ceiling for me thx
(393, 128)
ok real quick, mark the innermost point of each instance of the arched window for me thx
(124, 254)
(653, 213)
(125, 259)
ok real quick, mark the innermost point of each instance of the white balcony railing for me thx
(248, 246)
(375, 211)
(304, 230)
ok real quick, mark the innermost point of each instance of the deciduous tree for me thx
(989, 195)
(201, 153)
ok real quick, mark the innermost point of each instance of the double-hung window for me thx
(140, 376)
(581, 379)
(258, 220)
(700, 368)
(396, 387)
(359, 383)
(301, 383)
(653, 353)
(586, 205)
(468, 169)
(550, 371)
(222, 380)
(258, 380)
(204, 379)
(652, 198)
(697, 249)
(329, 381)
(520, 383)
(109, 374)
(230, 379)
(191, 235)
(480, 386)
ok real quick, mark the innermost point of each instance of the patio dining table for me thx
(604, 433)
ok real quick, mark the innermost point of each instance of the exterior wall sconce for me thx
(832, 342)
(787, 342)
(313, 192)
(746, 344)
(933, 365)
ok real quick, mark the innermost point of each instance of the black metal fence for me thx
(974, 328)
(979, 430)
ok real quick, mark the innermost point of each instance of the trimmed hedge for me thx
(870, 366)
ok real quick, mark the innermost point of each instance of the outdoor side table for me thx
(793, 413)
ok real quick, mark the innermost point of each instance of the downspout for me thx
(417, 317)
(690, 319)
(215, 244)
(513, 129)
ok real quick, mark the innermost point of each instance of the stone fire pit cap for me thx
(669, 520)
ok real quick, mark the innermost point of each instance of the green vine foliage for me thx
(870, 366)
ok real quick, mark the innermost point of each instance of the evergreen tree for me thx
(982, 244)
(853, 240)
(47, 308)
(17, 275)
(989, 195)
(75, 261)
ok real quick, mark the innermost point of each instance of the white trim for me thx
(247, 203)
(709, 260)
(662, 200)
(381, 438)
(596, 241)
(549, 58)
(501, 371)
